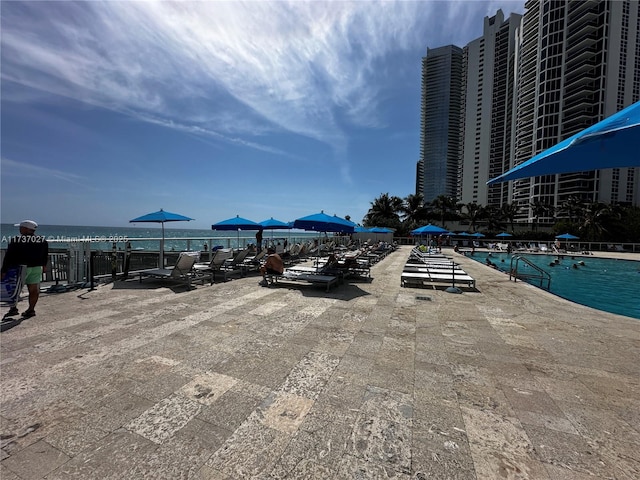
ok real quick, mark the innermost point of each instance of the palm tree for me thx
(384, 212)
(539, 209)
(494, 219)
(442, 205)
(509, 211)
(596, 215)
(474, 213)
(573, 207)
(414, 211)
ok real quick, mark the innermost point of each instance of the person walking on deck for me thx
(33, 251)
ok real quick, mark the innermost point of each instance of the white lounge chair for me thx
(182, 272)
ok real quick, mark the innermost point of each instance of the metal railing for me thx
(528, 276)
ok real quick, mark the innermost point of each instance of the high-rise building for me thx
(440, 121)
(528, 83)
(488, 66)
(577, 63)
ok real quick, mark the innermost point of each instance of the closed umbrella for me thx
(161, 217)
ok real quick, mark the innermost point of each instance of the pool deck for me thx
(367, 381)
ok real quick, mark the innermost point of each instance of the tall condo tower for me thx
(440, 121)
(578, 62)
(488, 73)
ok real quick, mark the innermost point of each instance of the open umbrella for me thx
(236, 224)
(567, 237)
(321, 222)
(611, 143)
(430, 230)
(161, 217)
(272, 224)
(478, 235)
(504, 234)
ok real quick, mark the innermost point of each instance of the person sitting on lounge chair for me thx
(273, 266)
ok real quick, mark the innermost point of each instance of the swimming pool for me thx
(606, 284)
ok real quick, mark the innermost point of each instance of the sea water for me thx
(603, 283)
(103, 238)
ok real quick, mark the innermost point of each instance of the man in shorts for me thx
(273, 266)
(30, 250)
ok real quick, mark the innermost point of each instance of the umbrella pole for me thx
(162, 247)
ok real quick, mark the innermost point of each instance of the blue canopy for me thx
(362, 230)
(611, 143)
(272, 224)
(381, 230)
(161, 217)
(567, 236)
(236, 223)
(430, 230)
(321, 222)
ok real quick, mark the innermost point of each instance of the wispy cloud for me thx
(11, 168)
(230, 69)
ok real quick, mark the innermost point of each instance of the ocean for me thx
(148, 237)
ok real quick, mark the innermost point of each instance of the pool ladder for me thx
(529, 276)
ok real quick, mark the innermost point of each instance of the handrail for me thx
(543, 274)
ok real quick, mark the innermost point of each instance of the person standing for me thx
(259, 240)
(33, 251)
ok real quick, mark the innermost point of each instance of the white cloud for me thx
(229, 68)
(11, 168)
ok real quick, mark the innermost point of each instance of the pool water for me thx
(606, 284)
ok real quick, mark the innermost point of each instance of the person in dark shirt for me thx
(33, 251)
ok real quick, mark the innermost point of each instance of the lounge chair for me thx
(219, 258)
(236, 264)
(182, 272)
(308, 277)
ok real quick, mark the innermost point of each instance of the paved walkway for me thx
(369, 381)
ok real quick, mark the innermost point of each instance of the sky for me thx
(212, 109)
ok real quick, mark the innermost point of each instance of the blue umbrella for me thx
(504, 234)
(161, 217)
(272, 224)
(381, 230)
(478, 235)
(361, 230)
(321, 222)
(567, 236)
(236, 223)
(611, 143)
(430, 230)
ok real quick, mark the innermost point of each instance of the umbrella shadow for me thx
(345, 291)
(150, 283)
